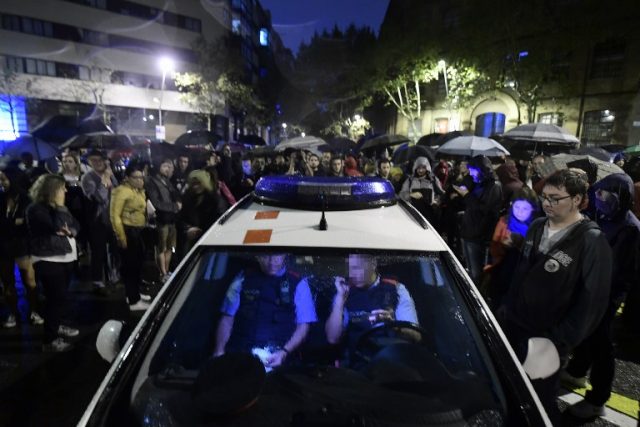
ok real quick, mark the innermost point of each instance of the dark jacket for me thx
(561, 295)
(43, 222)
(622, 229)
(164, 197)
(482, 211)
(201, 210)
(14, 236)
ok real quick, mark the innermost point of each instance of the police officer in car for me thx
(266, 312)
(364, 299)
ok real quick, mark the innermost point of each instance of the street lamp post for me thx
(443, 65)
(166, 64)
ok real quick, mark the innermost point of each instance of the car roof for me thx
(389, 227)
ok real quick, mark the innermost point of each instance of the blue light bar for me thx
(328, 193)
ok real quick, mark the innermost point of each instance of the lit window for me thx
(235, 25)
(551, 118)
(51, 68)
(83, 73)
(31, 66)
(264, 37)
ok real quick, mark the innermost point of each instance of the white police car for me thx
(437, 357)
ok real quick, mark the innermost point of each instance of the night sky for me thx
(297, 20)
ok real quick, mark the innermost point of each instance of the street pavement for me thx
(49, 389)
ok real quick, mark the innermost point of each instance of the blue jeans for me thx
(474, 255)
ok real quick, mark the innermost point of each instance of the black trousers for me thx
(132, 260)
(55, 278)
(98, 236)
(597, 352)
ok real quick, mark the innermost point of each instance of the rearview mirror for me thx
(108, 340)
(542, 359)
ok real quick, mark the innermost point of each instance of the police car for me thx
(436, 357)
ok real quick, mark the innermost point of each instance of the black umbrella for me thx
(383, 141)
(102, 141)
(198, 138)
(252, 140)
(429, 140)
(266, 150)
(39, 149)
(60, 128)
(411, 153)
(339, 144)
(596, 152)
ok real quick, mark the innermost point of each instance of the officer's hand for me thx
(276, 359)
(342, 289)
(378, 316)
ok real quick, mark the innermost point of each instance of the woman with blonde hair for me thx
(52, 230)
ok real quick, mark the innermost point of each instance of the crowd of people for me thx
(555, 254)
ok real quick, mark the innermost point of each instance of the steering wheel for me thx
(369, 341)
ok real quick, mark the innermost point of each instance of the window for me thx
(608, 60)
(31, 66)
(14, 64)
(235, 24)
(551, 118)
(598, 127)
(27, 25)
(95, 38)
(51, 68)
(83, 73)
(264, 37)
(42, 67)
(489, 124)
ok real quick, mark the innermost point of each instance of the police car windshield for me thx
(266, 334)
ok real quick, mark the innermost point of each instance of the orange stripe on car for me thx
(257, 236)
(267, 215)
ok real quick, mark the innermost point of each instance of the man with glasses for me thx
(562, 281)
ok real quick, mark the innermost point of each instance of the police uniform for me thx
(266, 309)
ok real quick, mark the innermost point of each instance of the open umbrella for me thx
(541, 137)
(340, 144)
(406, 153)
(103, 141)
(252, 140)
(301, 143)
(472, 146)
(634, 150)
(265, 150)
(383, 141)
(58, 129)
(596, 152)
(429, 140)
(198, 139)
(29, 144)
(584, 162)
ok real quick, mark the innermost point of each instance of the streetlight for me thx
(357, 117)
(166, 65)
(443, 66)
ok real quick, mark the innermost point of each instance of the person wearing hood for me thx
(482, 211)
(562, 279)
(509, 178)
(613, 201)
(420, 189)
(351, 167)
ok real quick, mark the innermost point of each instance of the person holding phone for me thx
(420, 189)
(52, 230)
(364, 299)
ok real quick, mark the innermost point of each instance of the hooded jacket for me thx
(622, 230)
(351, 167)
(482, 204)
(415, 183)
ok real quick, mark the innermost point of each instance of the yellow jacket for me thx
(128, 207)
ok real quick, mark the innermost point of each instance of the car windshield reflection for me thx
(318, 335)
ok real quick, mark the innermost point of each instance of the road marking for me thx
(257, 236)
(620, 410)
(267, 215)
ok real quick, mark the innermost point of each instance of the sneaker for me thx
(585, 410)
(145, 297)
(166, 277)
(68, 332)
(36, 319)
(571, 381)
(10, 322)
(58, 345)
(139, 306)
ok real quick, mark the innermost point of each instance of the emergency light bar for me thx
(325, 193)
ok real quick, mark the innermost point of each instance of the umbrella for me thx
(436, 139)
(103, 141)
(596, 152)
(472, 146)
(634, 150)
(582, 161)
(383, 141)
(252, 140)
(39, 149)
(266, 150)
(407, 153)
(340, 144)
(60, 128)
(429, 140)
(613, 148)
(198, 138)
(541, 133)
(301, 143)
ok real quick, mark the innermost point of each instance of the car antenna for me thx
(323, 220)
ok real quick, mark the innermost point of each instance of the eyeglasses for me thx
(553, 201)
